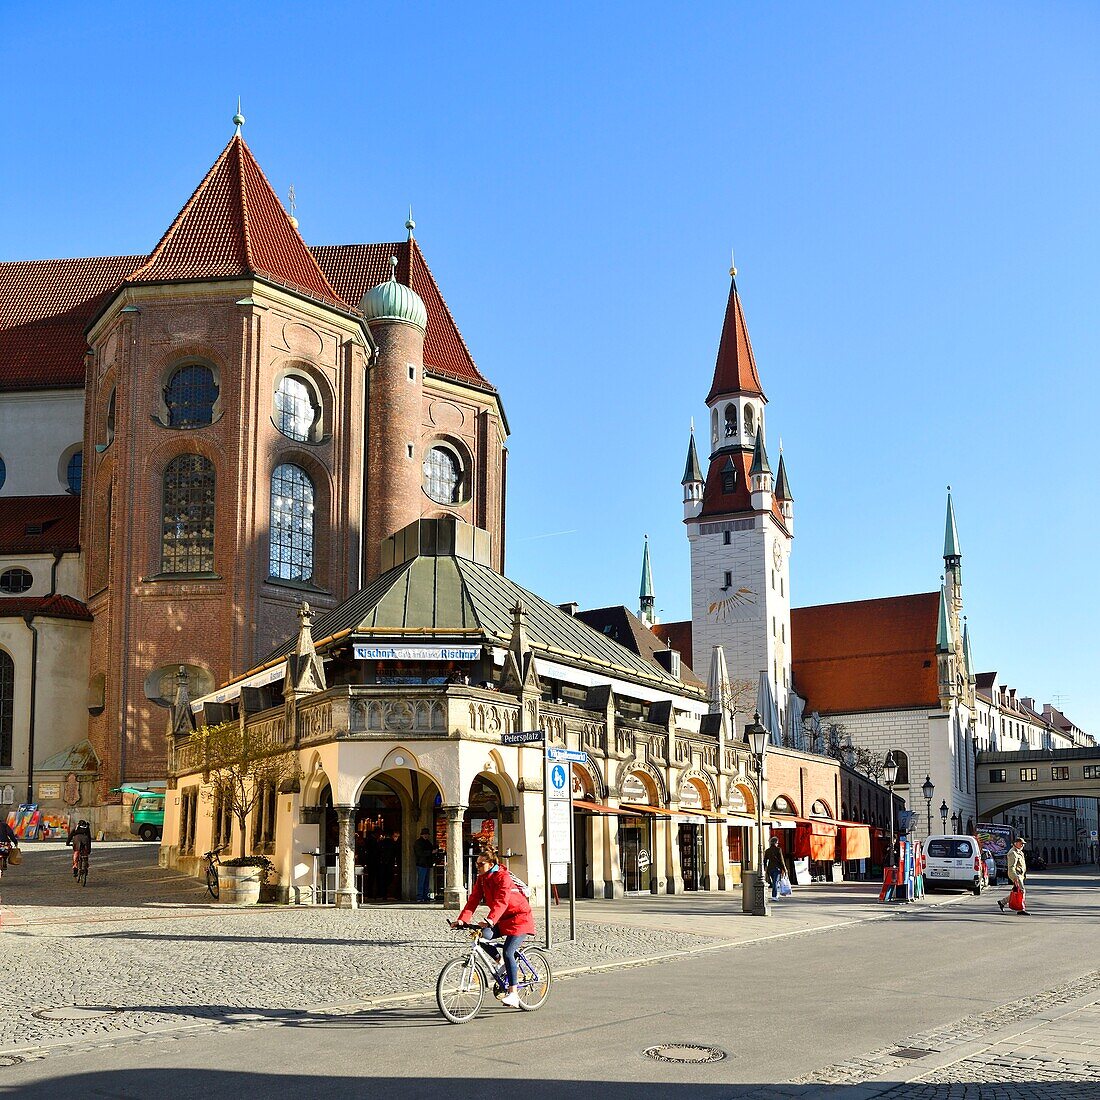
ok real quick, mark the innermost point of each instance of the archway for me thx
(482, 823)
(636, 831)
(695, 800)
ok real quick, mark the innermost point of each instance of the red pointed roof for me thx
(735, 369)
(234, 225)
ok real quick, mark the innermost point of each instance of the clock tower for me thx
(740, 522)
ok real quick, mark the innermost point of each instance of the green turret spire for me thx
(759, 456)
(782, 489)
(943, 636)
(951, 535)
(647, 600)
(692, 471)
(968, 660)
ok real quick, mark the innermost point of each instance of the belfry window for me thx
(731, 421)
(7, 707)
(750, 421)
(443, 476)
(190, 396)
(187, 532)
(292, 496)
(297, 409)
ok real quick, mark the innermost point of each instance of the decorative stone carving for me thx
(397, 716)
(303, 340)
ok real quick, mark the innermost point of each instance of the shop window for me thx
(189, 809)
(190, 396)
(7, 707)
(14, 582)
(187, 531)
(292, 502)
(263, 818)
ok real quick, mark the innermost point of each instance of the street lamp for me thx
(944, 811)
(954, 823)
(890, 772)
(928, 788)
(757, 737)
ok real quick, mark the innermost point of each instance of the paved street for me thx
(115, 989)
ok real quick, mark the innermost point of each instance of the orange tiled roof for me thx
(675, 636)
(867, 655)
(47, 607)
(234, 225)
(39, 525)
(735, 368)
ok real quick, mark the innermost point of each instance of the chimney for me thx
(570, 608)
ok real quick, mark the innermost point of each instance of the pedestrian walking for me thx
(774, 865)
(424, 854)
(1017, 872)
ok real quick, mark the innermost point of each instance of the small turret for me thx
(646, 600)
(760, 475)
(783, 493)
(692, 481)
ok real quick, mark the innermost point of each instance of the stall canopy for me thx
(815, 839)
(855, 841)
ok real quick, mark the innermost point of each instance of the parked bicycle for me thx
(212, 863)
(460, 988)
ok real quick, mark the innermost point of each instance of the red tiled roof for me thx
(234, 225)
(354, 268)
(718, 503)
(44, 308)
(735, 368)
(47, 607)
(867, 655)
(39, 525)
(675, 636)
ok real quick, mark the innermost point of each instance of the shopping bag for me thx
(1016, 899)
(784, 886)
(15, 857)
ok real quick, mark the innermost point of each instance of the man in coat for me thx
(1017, 872)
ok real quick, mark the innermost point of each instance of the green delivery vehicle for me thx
(147, 814)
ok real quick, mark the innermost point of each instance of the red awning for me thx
(855, 841)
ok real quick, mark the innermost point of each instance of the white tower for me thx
(739, 524)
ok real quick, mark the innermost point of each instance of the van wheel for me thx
(147, 832)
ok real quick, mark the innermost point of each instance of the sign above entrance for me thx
(523, 737)
(574, 756)
(417, 652)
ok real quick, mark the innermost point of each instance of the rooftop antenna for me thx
(410, 225)
(292, 198)
(238, 119)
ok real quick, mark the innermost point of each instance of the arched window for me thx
(15, 581)
(3, 473)
(902, 761)
(74, 472)
(750, 421)
(731, 421)
(7, 707)
(443, 476)
(297, 409)
(109, 433)
(292, 496)
(187, 533)
(190, 396)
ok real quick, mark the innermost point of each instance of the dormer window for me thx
(729, 477)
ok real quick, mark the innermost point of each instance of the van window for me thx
(950, 849)
(148, 805)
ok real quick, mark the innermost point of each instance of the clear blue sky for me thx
(911, 191)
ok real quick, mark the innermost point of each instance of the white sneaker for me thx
(510, 999)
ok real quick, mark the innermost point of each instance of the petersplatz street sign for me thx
(524, 737)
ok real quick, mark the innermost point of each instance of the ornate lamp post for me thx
(944, 811)
(758, 744)
(928, 789)
(954, 823)
(890, 773)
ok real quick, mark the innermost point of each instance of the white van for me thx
(953, 860)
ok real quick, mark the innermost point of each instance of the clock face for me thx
(777, 555)
(732, 605)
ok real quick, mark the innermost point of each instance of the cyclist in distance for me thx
(8, 840)
(80, 837)
(509, 914)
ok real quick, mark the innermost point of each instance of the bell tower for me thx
(739, 520)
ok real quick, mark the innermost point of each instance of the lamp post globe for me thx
(890, 770)
(928, 789)
(944, 811)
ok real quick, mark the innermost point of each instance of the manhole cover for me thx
(75, 1012)
(10, 1060)
(684, 1052)
(911, 1052)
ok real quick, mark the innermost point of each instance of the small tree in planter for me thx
(239, 766)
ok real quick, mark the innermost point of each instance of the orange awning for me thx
(641, 808)
(597, 808)
(710, 815)
(855, 842)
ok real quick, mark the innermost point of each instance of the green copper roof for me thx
(782, 489)
(759, 456)
(393, 301)
(647, 574)
(943, 636)
(692, 472)
(968, 660)
(951, 536)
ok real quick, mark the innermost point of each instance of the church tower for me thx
(739, 522)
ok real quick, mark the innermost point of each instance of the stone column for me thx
(345, 858)
(454, 893)
(674, 879)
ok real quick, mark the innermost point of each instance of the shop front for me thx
(638, 833)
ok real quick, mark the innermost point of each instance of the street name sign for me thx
(523, 737)
(574, 756)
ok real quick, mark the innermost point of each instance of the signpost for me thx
(524, 737)
(557, 849)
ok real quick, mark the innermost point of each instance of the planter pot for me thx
(239, 885)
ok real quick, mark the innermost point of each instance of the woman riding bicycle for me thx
(509, 914)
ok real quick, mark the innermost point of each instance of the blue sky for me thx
(911, 192)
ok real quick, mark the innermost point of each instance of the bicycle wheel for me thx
(212, 882)
(82, 871)
(459, 990)
(535, 978)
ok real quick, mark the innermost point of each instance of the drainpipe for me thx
(28, 618)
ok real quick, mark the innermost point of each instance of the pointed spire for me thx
(692, 470)
(782, 488)
(968, 660)
(735, 367)
(305, 672)
(759, 456)
(410, 225)
(646, 591)
(951, 535)
(943, 634)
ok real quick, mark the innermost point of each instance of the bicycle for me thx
(460, 988)
(212, 863)
(82, 866)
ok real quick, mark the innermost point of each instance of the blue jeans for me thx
(423, 881)
(773, 880)
(511, 946)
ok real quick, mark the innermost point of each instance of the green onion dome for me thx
(393, 301)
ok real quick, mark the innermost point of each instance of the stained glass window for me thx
(74, 472)
(187, 539)
(291, 523)
(7, 706)
(190, 396)
(296, 409)
(442, 476)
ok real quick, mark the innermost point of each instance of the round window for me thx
(15, 581)
(297, 409)
(443, 476)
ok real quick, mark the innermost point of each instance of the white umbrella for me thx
(765, 705)
(796, 733)
(718, 688)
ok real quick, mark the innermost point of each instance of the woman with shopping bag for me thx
(1017, 872)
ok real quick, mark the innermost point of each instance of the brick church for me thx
(195, 440)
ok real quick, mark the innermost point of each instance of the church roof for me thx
(716, 502)
(44, 607)
(735, 368)
(232, 226)
(692, 472)
(867, 655)
(39, 525)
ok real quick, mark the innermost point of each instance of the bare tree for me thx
(872, 764)
(240, 766)
(740, 701)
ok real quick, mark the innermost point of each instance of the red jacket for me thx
(509, 911)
